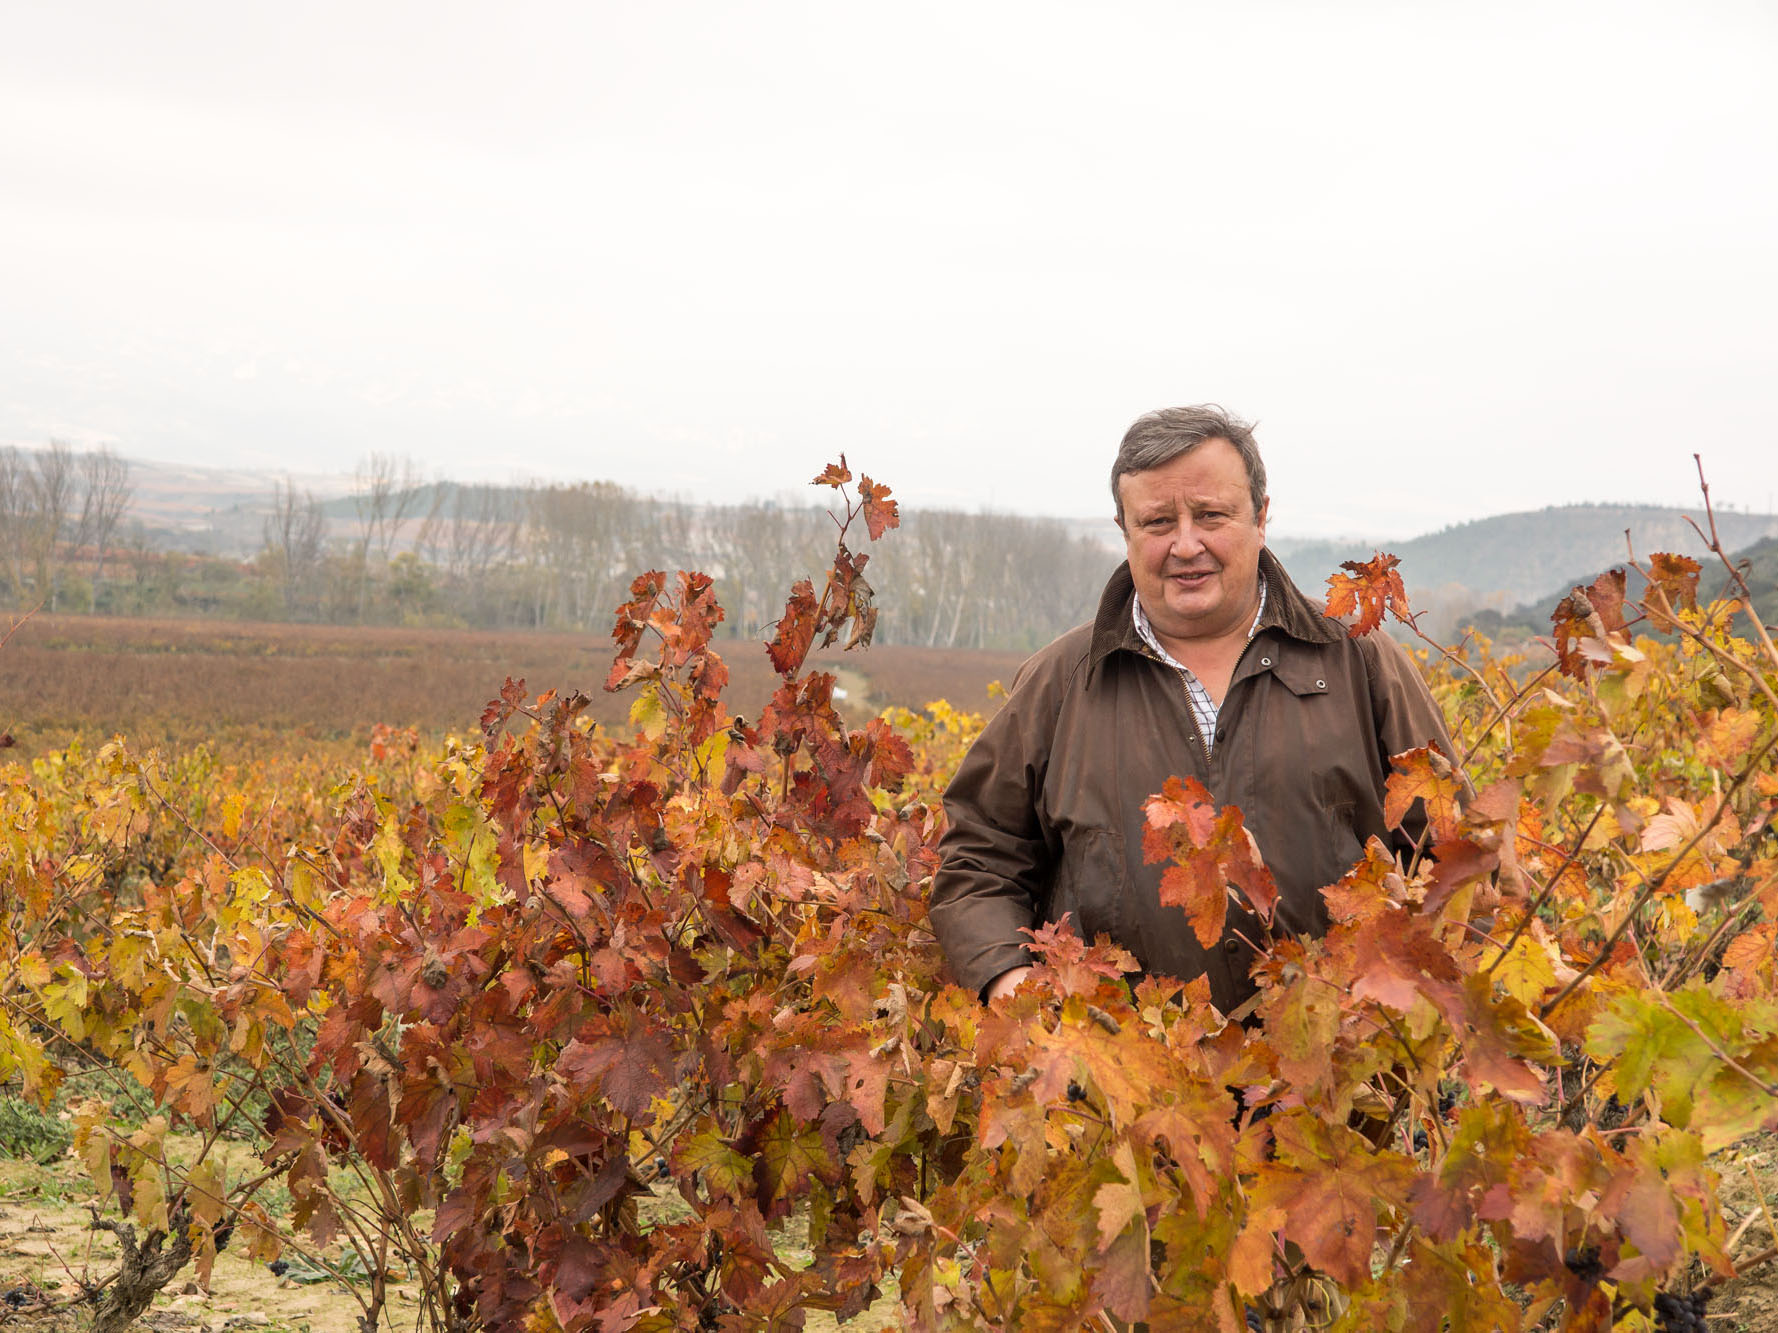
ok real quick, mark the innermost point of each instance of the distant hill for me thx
(1523, 556)
(1761, 573)
(1508, 561)
(218, 511)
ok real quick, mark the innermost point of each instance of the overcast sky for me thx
(1458, 259)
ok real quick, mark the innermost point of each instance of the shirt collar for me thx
(1146, 630)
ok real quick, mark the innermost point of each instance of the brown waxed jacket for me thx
(1045, 812)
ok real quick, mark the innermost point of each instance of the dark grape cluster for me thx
(1681, 1314)
(1584, 1263)
(1076, 1093)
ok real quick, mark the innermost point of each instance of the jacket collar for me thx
(1287, 610)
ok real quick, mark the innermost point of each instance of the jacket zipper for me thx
(1204, 751)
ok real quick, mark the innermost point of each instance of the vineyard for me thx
(636, 1023)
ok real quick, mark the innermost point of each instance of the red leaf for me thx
(631, 1066)
(633, 615)
(834, 474)
(1459, 863)
(1369, 589)
(1396, 960)
(880, 512)
(1328, 1183)
(1606, 593)
(1580, 634)
(796, 630)
(1122, 1280)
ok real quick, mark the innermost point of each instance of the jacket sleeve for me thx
(996, 854)
(1406, 714)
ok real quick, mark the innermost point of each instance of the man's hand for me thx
(1007, 982)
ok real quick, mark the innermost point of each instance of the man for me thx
(1204, 661)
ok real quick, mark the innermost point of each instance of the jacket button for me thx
(1231, 946)
(1265, 661)
(1321, 684)
(1220, 733)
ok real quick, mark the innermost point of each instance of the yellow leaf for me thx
(1528, 970)
(204, 1191)
(1119, 1202)
(149, 1204)
(536, 861)
(232, 808)
(648, 715)
(92, 1143)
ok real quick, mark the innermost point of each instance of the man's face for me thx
(1194, 542)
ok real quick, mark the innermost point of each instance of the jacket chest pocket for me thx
(1298, 765)
(1089, 884)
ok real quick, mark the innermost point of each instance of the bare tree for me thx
(15, 520)
(105, 494)
(293, 539)
(577, 537)
(386, 488)
(470, 529)
(396, 482)
(51, 489)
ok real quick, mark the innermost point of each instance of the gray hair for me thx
(1157, 438)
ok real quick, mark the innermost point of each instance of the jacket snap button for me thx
(1265, 661)
(1231, 946)
(1321, 684)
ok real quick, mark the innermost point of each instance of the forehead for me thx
(1212, 473)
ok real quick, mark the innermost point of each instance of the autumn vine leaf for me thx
(607, 1008)
(1369, 588)
(880, 512)
(1675, 577)
(796, 630)
(1426, 776)
(1583, 620)
(1211, 851)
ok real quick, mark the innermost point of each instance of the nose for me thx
(1186, 543)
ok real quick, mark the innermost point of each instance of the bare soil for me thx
(161, 680)
(50, 1254)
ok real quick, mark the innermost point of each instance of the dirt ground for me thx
(47, 1244)
(1748, 1193)
(47, 1250)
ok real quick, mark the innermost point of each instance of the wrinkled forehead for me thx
(1170, 489)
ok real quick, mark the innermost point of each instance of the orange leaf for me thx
(1212, 851)
(834, 474)
(1424, 775)
(1677, 577)
(880, 512)
(1369, 589)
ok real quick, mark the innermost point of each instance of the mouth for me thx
(1191, 578)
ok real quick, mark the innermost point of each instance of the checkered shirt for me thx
(1203, 706)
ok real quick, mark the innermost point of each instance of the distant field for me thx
(62, 676)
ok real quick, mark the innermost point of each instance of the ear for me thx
(1265, 508)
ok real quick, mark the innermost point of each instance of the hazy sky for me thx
(1457, 258)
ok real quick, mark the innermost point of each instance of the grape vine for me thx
(570, 1027)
